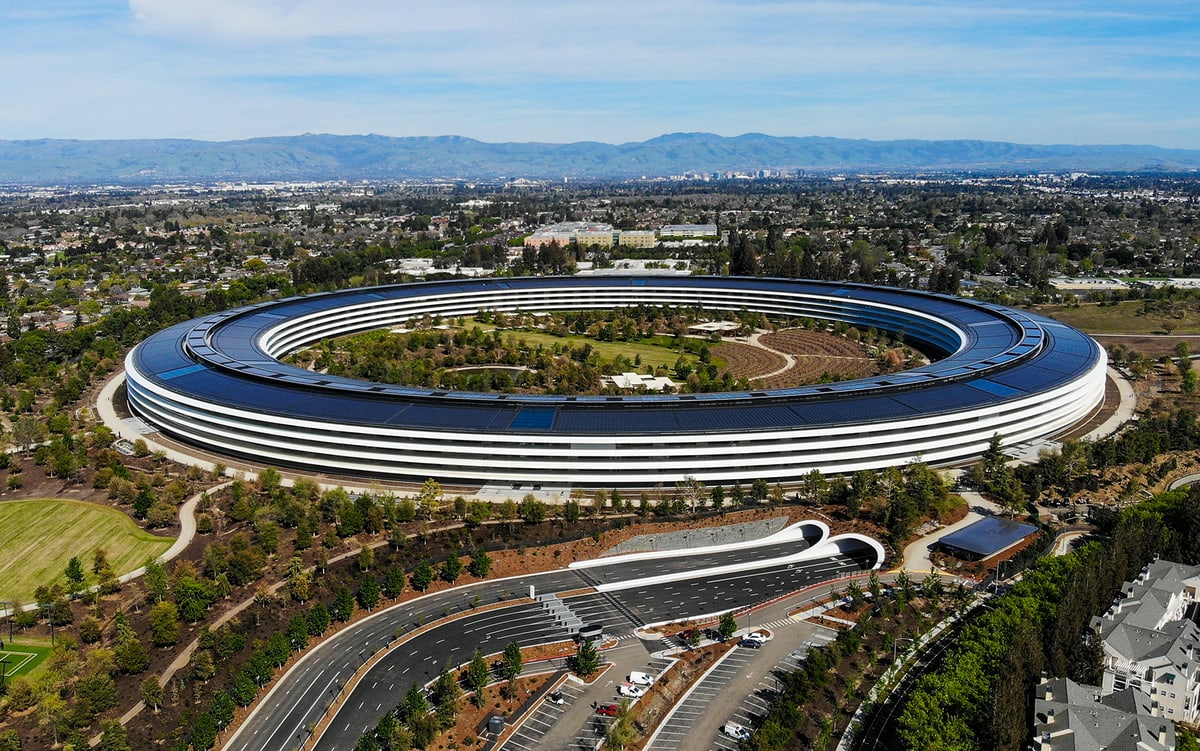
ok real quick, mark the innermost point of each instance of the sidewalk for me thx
(916, 553)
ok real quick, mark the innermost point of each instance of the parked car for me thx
(641, 679)
(607, 710)
(736, 731)
(630, 690)
(556, 697)
(758, 636)
(750, 643)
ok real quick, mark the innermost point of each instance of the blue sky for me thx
(1076, 71)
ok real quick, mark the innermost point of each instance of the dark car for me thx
(608, 710)
(557, 698)
(749, 643)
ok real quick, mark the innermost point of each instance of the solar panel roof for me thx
(988, 536)
(1009, 355)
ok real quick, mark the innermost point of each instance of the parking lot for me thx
(738, 689)
(575, 724)
(529, 736)
(673, 733)
(754, 705)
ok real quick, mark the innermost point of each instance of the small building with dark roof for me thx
(985, 538)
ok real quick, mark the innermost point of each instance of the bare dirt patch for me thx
(1152, 346)
(819, 357)
(504, 703)
(747, 361)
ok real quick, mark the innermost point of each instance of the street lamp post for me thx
(895, 644)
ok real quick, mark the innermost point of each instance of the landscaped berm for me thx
(40, 536)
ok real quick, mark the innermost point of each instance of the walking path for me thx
(1185, 481)
(1126, 408)
(790, 361)
(916, 553)
(187, 531)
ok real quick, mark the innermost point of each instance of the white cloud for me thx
(561, 70)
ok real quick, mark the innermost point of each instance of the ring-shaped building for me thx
(217, 382)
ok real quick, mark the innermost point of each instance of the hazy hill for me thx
(325, 157)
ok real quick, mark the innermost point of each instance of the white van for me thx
(641, 679)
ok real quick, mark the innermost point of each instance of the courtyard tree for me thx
(587, 658)
(727, 626)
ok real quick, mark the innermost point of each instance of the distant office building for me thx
(637, 238)
(688, 230)
(596, 233)
(602, 238)
(564, 233)
(1083, 286)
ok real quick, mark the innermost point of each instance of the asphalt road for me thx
(300, 698)
(421, 659)
(701, 595)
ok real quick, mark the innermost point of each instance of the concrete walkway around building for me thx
(916, 554)
(1126, 408)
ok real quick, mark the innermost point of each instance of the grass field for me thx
(651, 354)
(1122, 318)
(21, 658)
(38, 537)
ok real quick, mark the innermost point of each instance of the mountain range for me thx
(383, 158)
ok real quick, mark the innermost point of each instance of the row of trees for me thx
(421, 717)
(979, 696)
(813, 700)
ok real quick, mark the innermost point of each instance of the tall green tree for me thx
(511, 663)
(413, 704)
(445, 688)
(422, 576)
(481, 564)
(152, 692)
(75, 576)
(113, 736)
(727, 626)
(368, 593)
(204, 731)
(587, 658)
(164, 624)
(342, 606)
(478, 677)
(452, 568)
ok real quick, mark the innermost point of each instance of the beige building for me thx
(688, 230)
(637, 238)
(602, 238)
(563, 233)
